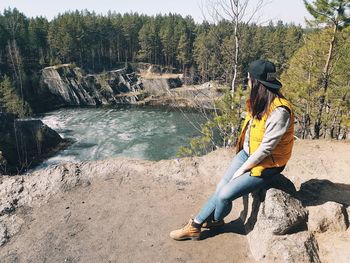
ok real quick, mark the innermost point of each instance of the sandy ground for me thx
(111, 221)
(127, 216)
(150, 75)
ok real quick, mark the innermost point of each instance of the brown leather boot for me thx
(189, 231)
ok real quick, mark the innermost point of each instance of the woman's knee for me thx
(223, 196)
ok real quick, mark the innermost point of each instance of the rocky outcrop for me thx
(283, 225)
(275, 223)
(66, 85)
(24, 143)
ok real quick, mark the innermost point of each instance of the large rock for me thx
(276, 209)
(281, 213)
(330, 216)
(24, 143)
(275, 224)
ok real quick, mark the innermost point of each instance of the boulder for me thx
(275, 223)
(329, 216)
(279, 213)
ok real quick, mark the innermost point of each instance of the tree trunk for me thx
(325, 82)
(235, 60)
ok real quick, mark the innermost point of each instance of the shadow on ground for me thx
(317, 192)
(235, 226)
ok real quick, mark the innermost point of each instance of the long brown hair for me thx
(261, 98)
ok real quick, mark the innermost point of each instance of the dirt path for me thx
(121, 220)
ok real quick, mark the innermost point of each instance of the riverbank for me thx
(122, 210)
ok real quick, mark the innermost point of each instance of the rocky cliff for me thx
(66, 85)
(24, 143)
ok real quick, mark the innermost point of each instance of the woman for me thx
(263, 149)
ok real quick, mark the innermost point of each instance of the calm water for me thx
(139, 132)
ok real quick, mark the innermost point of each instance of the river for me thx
(139, 132)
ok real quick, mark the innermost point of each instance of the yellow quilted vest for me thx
(283, 151)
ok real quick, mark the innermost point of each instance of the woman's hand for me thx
(238, 173)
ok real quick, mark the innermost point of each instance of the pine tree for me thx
(10, 102)
(301, 85)
(334, 14)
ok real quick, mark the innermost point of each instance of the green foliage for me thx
(329, 12)
(222, 130)
(214, 48)
(2, 159)
(302, 85)
(10, 101)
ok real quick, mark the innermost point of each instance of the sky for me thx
(286, 10)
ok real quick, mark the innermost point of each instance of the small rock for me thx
(13, 224)
(3, 234)
(6, 208)
(329, 216)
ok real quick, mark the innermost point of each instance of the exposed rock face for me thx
(169, 94)
(23, 143)
(330, 216)
(272, 228)
(65, 85)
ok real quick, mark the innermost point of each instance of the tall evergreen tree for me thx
(334, 14)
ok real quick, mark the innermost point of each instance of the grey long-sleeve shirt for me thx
(275, 127)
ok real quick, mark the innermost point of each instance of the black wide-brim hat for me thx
(265, 72)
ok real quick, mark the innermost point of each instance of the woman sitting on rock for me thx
(263, 149)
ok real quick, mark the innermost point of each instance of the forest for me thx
(312, 62)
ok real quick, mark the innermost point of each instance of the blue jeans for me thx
(219, 204)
